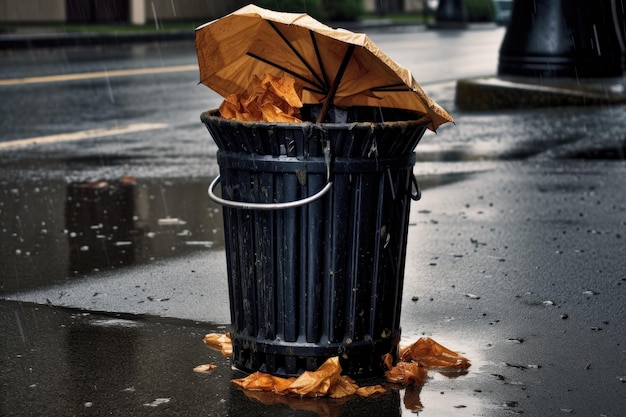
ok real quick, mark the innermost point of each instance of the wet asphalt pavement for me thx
(515, 259)
(517, 265)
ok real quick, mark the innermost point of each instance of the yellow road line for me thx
(98, 74)
(83, 134)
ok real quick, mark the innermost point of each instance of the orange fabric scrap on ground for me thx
(407, 373)
(416, 359)
(204, 369)
(270, 99)
(221, 342)
(432, 355)
(326, 381)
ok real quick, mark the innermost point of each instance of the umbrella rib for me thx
(392, 87)
(384, 89)
(312, 90)
(319, 58)
(300, 57)
(287, 70)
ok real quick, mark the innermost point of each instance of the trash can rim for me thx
(213, 114)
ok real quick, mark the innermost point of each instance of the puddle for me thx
(54, 232)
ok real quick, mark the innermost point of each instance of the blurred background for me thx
(76, 14)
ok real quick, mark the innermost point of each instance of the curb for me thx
(482, 94)
(64, 39)
(69, 39)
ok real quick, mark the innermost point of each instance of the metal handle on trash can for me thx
(276, 206)
(418, 193)
(265, 206)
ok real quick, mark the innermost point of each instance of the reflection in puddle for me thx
(53, 232)
(443, 403)
(387, 404)
(441, 397)
(100, 224)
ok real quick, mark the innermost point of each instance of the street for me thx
(170, 155)
(113, 262)
(42, 107)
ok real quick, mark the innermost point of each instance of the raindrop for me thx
(157, 299)
(595, 33)
(157, 402)
(110, 90)
(115, 323)
(154, 15)
(205, 243)
(100, 294)
(387, 240)
(513, 365)
(171, 221)
(19, 326)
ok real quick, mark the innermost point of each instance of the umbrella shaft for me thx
(336, 82)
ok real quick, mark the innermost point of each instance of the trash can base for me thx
(286, 359)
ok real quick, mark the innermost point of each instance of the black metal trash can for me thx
(315, 222)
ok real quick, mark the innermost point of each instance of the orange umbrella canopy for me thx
(334, 66)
